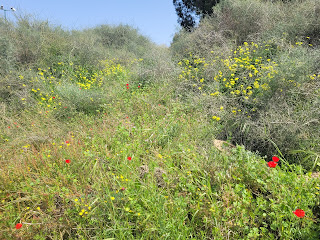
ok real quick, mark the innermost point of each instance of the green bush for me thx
(86, 101)
(7, 58)
(36, 43)
(265, 95)
(250, 20)
(122, 37)
(204, 39)
(237, 21)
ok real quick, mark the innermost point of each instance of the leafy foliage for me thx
(187, 10)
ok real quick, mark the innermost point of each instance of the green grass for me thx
(174, 186)
(115, 144)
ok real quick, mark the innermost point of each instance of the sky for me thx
(155, 19)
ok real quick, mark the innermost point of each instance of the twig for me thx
(282, 122)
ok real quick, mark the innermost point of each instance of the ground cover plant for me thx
(218, 143)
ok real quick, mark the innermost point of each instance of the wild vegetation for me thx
(105, 135)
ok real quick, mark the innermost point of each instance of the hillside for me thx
(105, 135)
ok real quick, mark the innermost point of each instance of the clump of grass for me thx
(87, 101)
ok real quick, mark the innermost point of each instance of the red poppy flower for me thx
(127, 84)
(272, 164)
(9, 127)
(299, 213)
(67, 141)
(138, 86)
(53, 97)
(122, 189)
(129, 158)
(127, 87)
(275, 159)
(18, 225)
(68, 161)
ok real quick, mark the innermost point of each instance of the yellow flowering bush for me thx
(64, 82)
(243, 79)
(244, 74)
(248, 89)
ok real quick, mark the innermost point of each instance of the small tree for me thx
(189, 10)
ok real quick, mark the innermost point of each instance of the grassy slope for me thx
(176, 185)
(142, 163)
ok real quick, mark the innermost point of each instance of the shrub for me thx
(82, 100)
(237, 21)
(204, 39)
(265, 97)
(7, 58)
(122, 37)
(34, 43)
(261, 100)
(248, 20)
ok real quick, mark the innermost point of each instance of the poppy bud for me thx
(18, 225)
